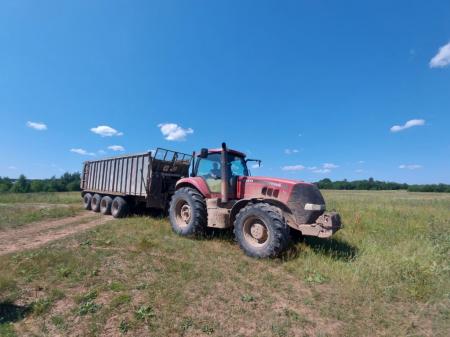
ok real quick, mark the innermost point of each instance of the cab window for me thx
(237, 165)
(209, 167)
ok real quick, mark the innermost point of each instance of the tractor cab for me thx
(211, 167)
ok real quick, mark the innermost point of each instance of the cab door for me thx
(209, 169)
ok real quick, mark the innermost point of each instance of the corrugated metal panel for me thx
(126, 175)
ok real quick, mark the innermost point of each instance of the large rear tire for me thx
(261, 230)
(95, 202)
(119, 207)
(87, 201)
(105, 205)
(187, 212)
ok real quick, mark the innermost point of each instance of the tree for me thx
(22, 185)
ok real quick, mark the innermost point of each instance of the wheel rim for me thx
(103, 204)
(255, 231)
(183, 213)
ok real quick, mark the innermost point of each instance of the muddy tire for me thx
(261, 231)
(119, 207)
(87, 201)
(187, 212)
(105, 205)
(95, 202)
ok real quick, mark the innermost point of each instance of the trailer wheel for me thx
(119, 207)
(261, 230)
(95, 202)
(87, 201)
(105, 205)
(187, 212)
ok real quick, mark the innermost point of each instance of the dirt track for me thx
(40, 233)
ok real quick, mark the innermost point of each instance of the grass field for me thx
(386, 273)
(17, 209)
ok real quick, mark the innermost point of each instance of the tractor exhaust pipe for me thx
(224, 173)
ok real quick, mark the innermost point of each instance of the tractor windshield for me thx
(210, 167)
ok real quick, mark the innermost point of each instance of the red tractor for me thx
(263, 211)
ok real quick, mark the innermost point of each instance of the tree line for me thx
(371, 184)
(71, 182)
(67, 182)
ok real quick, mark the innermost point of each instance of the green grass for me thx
(43, 197)
(386, 273)
(17, 209)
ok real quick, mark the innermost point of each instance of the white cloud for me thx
(106, 131)
(323, 170)
(12, 167)
(410, 166)
(172, 131)
(37, 126)
(359, 171)
(442, 58)
(290, 151)
(329, 166)
(116, 148)
(256, 166)
(361, 162)
(82, 152)
(293, 168)
(408, 124)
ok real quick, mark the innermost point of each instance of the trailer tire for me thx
(95, 202)
(261, 230)
(105, 205)
(87, 201)
(119, 207)
(187, 212)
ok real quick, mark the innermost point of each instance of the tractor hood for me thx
(303, 199)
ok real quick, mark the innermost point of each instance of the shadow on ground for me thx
(10, 312)
(334, 248)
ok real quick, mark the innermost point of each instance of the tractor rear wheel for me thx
(95, 202)
(87, 201)
(119, 207)
(261, 231)
(187, 212)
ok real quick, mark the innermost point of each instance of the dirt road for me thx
(40, 233)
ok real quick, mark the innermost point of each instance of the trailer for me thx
(112, 185)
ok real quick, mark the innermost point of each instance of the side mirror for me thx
(203, 153)
(256, 160)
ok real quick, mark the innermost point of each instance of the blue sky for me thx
(313, 88)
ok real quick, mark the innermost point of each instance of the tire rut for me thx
(37, 234)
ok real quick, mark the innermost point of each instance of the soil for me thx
(38, 234)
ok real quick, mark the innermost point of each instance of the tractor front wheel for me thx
(261, 230)
(187, 212)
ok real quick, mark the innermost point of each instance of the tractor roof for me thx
(237, 153)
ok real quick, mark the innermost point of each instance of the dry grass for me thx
(386, 273)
